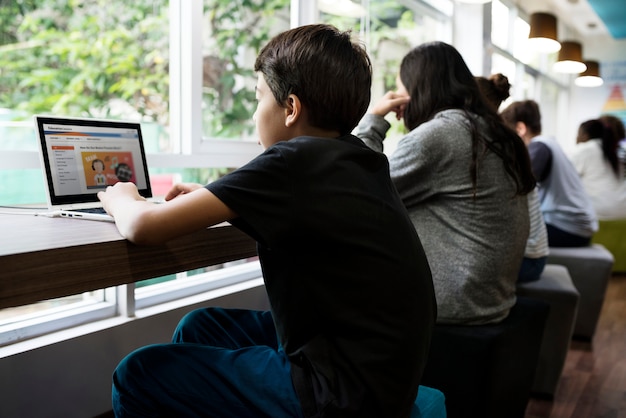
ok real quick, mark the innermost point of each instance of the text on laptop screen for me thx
(82, 157)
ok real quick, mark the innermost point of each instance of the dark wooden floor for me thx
(593, 383)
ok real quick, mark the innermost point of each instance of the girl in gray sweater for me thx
(463, 176)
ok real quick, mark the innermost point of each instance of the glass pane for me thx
(182, 277)
(47, 307)
(29, 321)
(90, 59)
(233, 33)
(392, 30)
(197, 281)
(13, 192)
(16, 134)
(548, 102)
(500, 25)
(528, 87)
(19, 135)
(521, 32)
(162, 179)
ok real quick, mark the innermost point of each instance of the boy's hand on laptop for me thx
(182, 188)
(118, 195)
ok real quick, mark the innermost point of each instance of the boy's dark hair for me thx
(526, 111)
(437, 78)
(330, 74)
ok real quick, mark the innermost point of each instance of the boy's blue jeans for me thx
(222, 363)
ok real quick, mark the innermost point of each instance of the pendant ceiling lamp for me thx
(543, 34)
(591, 76)
(570, 58)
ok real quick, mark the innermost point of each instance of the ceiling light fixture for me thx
(570, 59)
(542, 36)
(591, 76)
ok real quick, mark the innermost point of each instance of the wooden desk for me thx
(44, 258)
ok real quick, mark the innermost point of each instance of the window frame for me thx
(190, 150)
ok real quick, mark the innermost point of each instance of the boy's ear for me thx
(293, 110)
(520, 128)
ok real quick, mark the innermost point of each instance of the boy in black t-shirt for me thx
(351, 295)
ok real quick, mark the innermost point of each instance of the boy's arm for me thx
(146, 223)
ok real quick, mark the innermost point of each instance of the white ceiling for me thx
(576, 14)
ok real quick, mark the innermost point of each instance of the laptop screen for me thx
(81, 157)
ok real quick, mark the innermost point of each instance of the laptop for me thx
(81, 157)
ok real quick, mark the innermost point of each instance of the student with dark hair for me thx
(596, 161)
(567, 210)
(616, 126)
(495, 90)
(350, 289)
(463, 176)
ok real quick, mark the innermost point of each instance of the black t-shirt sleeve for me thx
(541, 159)
(260, 193)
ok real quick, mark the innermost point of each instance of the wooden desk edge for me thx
(31, 277)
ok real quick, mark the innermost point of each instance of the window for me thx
(389, 29)
(509, 32)
(530, 73)
(114, 60)
(30, 321)
(184, 69)
(232, 33)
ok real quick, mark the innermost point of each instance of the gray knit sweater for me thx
(474, 245)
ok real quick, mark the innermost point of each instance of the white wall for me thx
(72, 377)
(467, 37)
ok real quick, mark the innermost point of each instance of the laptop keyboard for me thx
(90, 210)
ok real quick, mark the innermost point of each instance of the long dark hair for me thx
(595, 129)
(437, 78)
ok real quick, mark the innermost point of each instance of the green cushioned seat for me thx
(612, 235)
(430, 403)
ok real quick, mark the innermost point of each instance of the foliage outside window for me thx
(389, 29)
(99, 58)
(234, 32)
(86, 58)
(111, 58)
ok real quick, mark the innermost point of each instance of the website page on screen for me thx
(84, 159)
